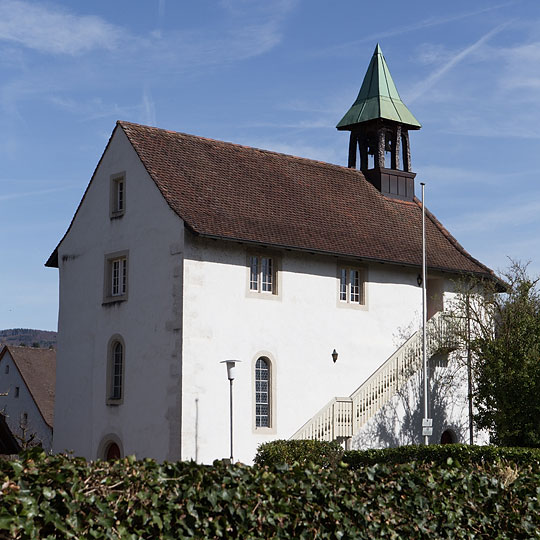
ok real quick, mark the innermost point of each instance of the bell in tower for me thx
(379, 123)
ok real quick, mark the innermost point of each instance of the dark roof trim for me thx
(336, 254)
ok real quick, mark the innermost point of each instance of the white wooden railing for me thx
(342, 417)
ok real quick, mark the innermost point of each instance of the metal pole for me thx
(469, 371)
(231, 413)
(424, 313)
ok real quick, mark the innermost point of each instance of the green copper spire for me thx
(378, 98)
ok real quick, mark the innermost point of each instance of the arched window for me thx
(262, 393)
(115, 371)
(448, 437)
(110, 447)
(112, 452)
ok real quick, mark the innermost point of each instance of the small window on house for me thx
(351, 285)
(262, 393)
(112, 452)
(7, 369)
(16, 391)
(116, 277)
(115, 372)
(24, 419)
(118, 195)
(262, 274)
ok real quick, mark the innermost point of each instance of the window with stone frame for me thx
(351, 285)
(262, 273)
(116, 277)
(263, 396)
(115, 371)
(118, 195)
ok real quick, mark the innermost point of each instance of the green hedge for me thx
(444, 455)
(302, 452)
(57, 497)
(330, 454)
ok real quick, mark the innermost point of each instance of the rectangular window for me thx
(119, 276)
(351, 285)
(16, 391)
(262, 274)
(116, 277)
(118, 195)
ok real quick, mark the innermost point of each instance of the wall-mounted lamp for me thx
(419, 280)
(334, 355)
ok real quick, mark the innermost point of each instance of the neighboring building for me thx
(27, 381)
(186, 251)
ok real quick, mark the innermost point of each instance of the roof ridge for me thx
(243, 147)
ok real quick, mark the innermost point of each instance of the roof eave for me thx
(316, 251)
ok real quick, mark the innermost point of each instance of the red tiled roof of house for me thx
(38, 370)
(228, 191)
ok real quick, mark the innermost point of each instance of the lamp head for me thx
(231, 368)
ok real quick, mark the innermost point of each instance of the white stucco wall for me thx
(399, 422)
(147, 423)
(297, 330)
(13, 407)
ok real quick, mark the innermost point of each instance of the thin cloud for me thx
(54, 30)
(457, 176)
(26, 194)
(428, 83)
(161, 9)
(301, 124)
(327, 154)
(149, 109)
(426, 23)
(512, 215)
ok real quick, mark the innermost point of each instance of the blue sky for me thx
(276, 74)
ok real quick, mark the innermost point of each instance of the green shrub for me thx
(50, 497)
(325, 454)
(444, 455)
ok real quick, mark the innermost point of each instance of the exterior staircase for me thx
(343, 417)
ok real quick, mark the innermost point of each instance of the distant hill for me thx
(28, 337)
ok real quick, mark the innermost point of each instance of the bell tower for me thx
(379, 123)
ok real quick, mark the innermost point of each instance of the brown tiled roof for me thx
(224, 190)
(38, 369)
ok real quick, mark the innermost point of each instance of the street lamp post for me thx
(231, 372)
(427, 423)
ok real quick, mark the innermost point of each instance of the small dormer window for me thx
(118, 195)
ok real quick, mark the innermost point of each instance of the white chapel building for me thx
(187, 251)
